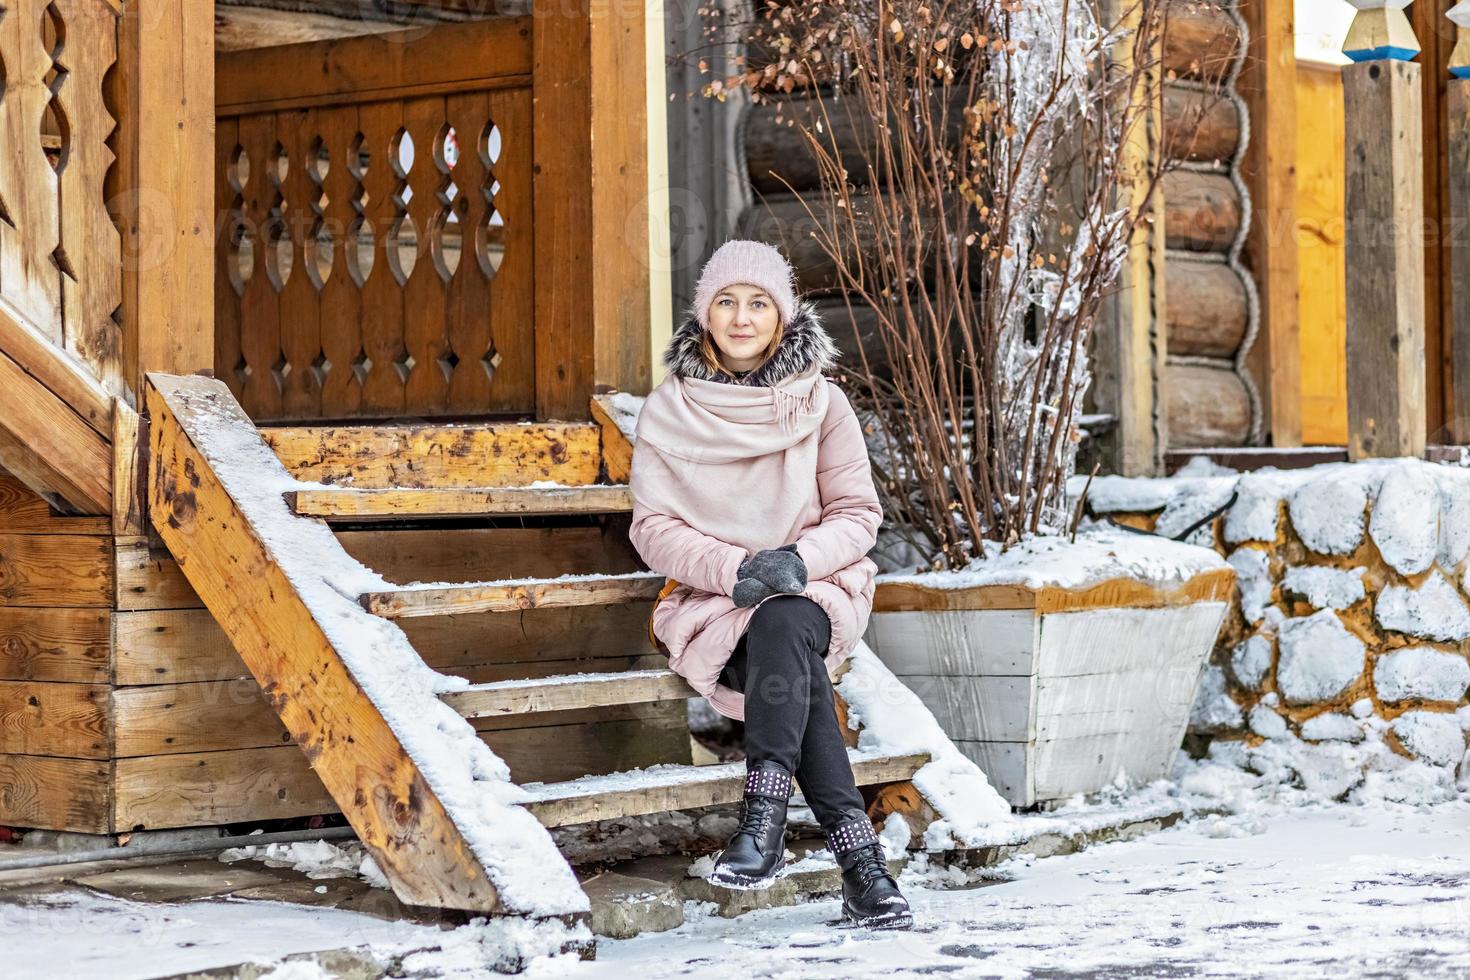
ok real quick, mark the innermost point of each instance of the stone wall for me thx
(1351, 627)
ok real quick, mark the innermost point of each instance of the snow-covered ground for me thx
(1285, 884)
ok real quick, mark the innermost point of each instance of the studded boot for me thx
(756, 852)
(870, 895)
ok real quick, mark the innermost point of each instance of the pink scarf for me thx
(739, 462)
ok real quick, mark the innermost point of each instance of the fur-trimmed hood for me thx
(804, 342)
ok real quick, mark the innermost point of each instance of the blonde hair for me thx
(709, 351)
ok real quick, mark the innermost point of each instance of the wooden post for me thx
(1457, 95)
(591, 203)
(1268, 83)
(163, 190)
(1384, 205)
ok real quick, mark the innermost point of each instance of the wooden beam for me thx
(1385, 259)
(463, 57)
(617, 448)
(609, 797)
(163, 200)
(591, 204)
(337, 716)
(474, 597)
(1268, 84)
(366, 505)
(566, 692)
(491, 454)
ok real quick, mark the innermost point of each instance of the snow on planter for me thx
(1421, 673)
(1384, 546)
(1320, 658)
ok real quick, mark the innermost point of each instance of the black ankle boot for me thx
(870, 896)
(756, 852)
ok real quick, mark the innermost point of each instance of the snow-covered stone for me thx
(1250, 662)
(1421, 673)
(1454, 517)
(1435, 737)
(1327, 512)
(1192, 505)
(1434, 611)
(1257, 511)
(1405, 521)
(1214, 709)
(1332, 726)
(1253, 581)
(1265, 722)
(1361, 708)
(1324, 587)
(1320, 658)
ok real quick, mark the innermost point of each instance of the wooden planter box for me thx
(1054, 691)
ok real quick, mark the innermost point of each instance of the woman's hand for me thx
(769, 572)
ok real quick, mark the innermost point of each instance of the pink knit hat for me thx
(751, 262)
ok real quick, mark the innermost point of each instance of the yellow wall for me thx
(1319, 201)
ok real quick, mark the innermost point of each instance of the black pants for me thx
(790, 714)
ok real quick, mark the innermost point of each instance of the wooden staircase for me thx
(249, 514)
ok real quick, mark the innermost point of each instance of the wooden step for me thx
(662, 788)
(425, 503)
(511, 594)
(568, 691)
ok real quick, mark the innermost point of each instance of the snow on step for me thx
(674, 787)
(508, 595)
(568, 691)
(352, 503)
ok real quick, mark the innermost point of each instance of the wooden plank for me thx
(55, 570)
(231, 177)
(1268, 84)
(235, 714)
(468, 323)
(463, 57)
(56, 794)
(57, 373)
(204, 788)
(508, 249)
(565, 246)
(351, 503)
(617, 450)
(148, 577)
(565, 692)
(300, 308)
(475, 597)
(1321, 272)
(893, 596)
(208, 788)
(28, 182)
(172, 645)
(51, 719)
(187, 645)
(129, 472)
(1457, 330)
(391, 803)
(1001, 709)
(340, 309)
(22, 511)
(260, 301)
(73, 645)
(382, 350)
(1385, 300)
(425, 326)
(91, 247)
(1438, 37)
(491, 454)
(165, 202)
(591, 798)
(49, 446)
(480, 554)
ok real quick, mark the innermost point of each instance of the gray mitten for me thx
(750, 591)
(780, 568)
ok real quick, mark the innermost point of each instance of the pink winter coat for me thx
(724, 468)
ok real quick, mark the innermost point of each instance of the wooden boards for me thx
(352, 504)
(358, 758)
(474, 597)
(565, 692)
(901, 595)
(633, 794)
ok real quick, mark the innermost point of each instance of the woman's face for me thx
(742, 320)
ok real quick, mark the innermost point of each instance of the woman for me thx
(752, 491)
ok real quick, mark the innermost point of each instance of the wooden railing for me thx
(375, 244)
